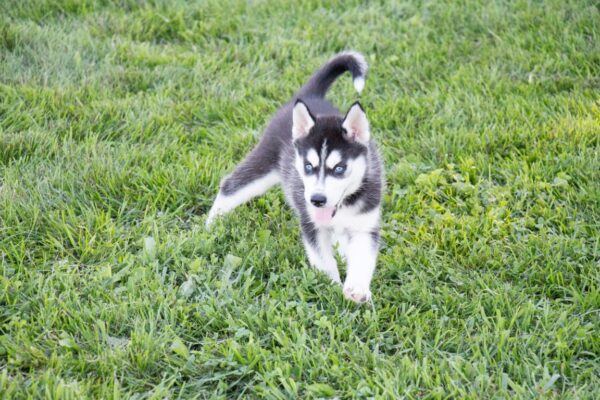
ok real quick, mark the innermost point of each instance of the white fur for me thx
(357, 125)
(361, 255)
(352, 230)
(342, 238)
(313, 158)
(333, 159)
(302, 122)
(224, 203)
(351, 219)
(359, 84)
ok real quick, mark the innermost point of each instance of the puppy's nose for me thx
(318, 200)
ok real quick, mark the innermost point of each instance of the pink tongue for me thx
(324, 214)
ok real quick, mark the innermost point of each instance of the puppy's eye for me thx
(339, 170)
(308, 168)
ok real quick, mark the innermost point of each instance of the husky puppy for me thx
(330, 171)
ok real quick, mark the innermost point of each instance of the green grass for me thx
(119, 118)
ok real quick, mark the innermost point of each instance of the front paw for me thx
(356, 294)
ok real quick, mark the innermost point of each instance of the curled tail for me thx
(319, 83)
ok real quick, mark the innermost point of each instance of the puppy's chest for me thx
(352, 219)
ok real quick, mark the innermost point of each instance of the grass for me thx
(119, 118)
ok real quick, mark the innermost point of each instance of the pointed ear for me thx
(302, 120)
(356, 124)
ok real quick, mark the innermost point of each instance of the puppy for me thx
(331, 173)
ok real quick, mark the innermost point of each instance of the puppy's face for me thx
(331, 158)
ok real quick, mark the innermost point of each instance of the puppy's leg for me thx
(361, 257)
(319, 250)
(252, 177)
(342, 240)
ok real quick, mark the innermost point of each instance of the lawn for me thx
(119, 118)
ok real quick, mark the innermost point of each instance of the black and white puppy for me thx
(330, 171)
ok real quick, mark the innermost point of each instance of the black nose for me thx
(318, 200)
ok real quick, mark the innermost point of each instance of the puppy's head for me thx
(331, 157)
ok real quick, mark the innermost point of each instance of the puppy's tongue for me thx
(324, 214)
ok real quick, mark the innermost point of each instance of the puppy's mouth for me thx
(324, 215)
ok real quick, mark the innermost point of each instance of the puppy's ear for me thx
(356, 124)
(302, 120)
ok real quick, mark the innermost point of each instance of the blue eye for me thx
(339, 170)
(308, 168)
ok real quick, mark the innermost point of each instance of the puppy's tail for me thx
(319, 83)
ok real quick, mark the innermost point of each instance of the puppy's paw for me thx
(357, 295)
